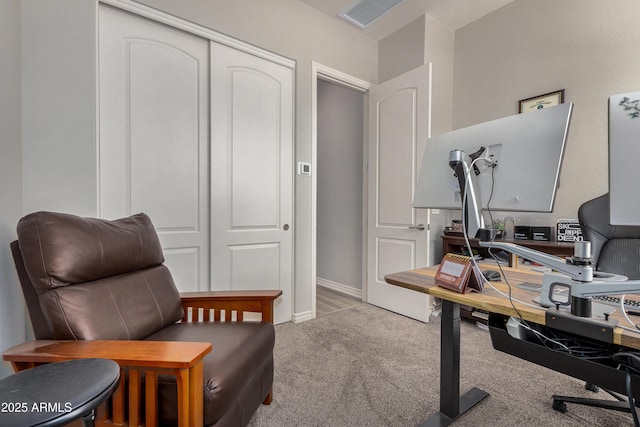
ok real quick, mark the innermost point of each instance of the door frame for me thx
(198, 30)
(319, 71)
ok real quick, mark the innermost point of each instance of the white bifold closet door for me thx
(199, 136)
(154, 135)
(251, 175)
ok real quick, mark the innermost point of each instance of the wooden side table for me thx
(57, 393)
(180, 359)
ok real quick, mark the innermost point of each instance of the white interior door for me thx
(398, 120)
(153, 142)
(252, 175)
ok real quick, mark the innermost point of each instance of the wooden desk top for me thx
(158, 354)
(422, 280)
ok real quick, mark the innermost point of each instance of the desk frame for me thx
(452, 405)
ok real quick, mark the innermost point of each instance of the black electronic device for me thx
(492, 275)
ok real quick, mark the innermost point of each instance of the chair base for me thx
(560, 403)
(622, 403)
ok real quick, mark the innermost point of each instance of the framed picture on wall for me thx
(541, 101)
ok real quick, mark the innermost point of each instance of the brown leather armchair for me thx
(97, 280)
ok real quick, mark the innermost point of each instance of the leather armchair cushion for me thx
(124, 307)
(98, 279)
(61, 249)
(241, 361)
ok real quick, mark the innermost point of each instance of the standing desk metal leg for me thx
(452, 405)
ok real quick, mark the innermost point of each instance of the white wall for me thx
(528, 48)
(340, 181)
(12, 320)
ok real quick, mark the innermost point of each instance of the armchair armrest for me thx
(158, 354)
(229, 302)
(139, 358)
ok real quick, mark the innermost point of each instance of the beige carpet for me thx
(365, 366)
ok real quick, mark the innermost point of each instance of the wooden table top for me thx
(159, 354)
(422, 280)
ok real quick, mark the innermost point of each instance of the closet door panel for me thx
(153, 140)
(252, 175)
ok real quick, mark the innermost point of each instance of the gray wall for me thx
(12, 320)
(402, 51)
(528, 48)
(340, 194)
(59, 102)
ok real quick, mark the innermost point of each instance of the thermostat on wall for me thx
(304, 168)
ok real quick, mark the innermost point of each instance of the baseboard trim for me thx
(301, 317)
(339, 287)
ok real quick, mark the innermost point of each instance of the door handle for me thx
(286, 227)
(418, 227)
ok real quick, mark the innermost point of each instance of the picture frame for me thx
(541, 101)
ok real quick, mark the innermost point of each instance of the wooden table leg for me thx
(151, 399)
(134, 397)
(196, 391)
(190, 396)
(182, 382)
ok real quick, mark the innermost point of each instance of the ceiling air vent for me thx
(366, 11)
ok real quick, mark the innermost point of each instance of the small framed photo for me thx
(541, 101)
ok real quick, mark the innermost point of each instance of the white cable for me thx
(520, 321)
(626, 328)
(468, 243)
(540, 334)
(626, 316)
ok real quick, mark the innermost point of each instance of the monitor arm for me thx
(577, 267)
(461, 163)
(575, 273)
(581, 293)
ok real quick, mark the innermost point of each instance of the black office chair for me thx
(614, 249)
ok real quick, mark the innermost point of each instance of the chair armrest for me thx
(152, 354)
(229, 301)
(140, 359)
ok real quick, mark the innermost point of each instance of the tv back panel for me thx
(528, 149)
(624, 159)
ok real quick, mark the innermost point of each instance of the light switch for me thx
(304, 168)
